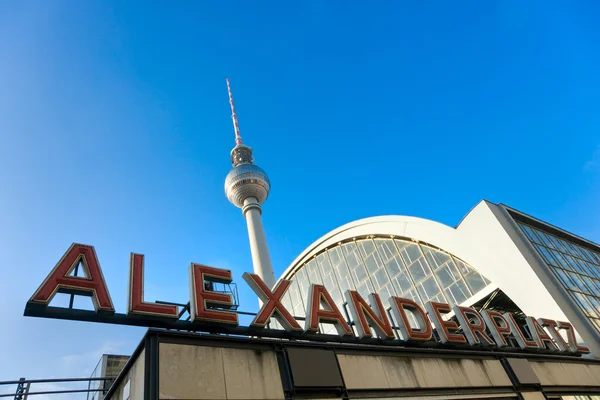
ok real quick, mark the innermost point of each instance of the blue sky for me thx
(115, 131)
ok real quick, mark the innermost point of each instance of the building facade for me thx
(497, 258)
(177, 365)
(109, 366)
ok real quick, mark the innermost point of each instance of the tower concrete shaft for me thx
(261, 260)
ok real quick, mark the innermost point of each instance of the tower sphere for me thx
(246, 180)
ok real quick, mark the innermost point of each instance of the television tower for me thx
(247, 186)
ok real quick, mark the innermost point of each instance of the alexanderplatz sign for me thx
(210, 311)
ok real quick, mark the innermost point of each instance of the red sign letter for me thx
(362, 314)
(524, 343)
(443, 327)
(498, 326)
(423, 332)
(473, 329)
(272, 306)
(136, 303)
(539, 335)
(319, 297)
(558, 339)
(91, 284)
(575, 348)
(202, 298)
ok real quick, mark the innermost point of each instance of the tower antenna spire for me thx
(236, 126)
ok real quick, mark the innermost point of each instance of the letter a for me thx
(91, 284)
(319, 297)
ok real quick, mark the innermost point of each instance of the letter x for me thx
(272, 306)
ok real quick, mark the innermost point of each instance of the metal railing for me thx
(24, 390)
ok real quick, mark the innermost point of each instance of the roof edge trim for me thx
(343, 234)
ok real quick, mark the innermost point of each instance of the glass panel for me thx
(390, 257)
(572, 261)
(485, 280)
(457, 293)
(429, 288)
(356, 266)
(579, 283)
(440, 298)
(594, 270)
(585, 266)
(299, 310)
(581, 266)
(372, 262)
(545, 239)
(591, 284)
(596, 258)
(394, 266)
(595, 304)
(366, 246)
(294, 292)
(313, 272)
(439, 257)
(558, 244)
(587, 308)
(335, 255)
(351, 255)
(561, 260)
(475, 281)
(530, 234)
(360, 273)
(445, 276)
(571, 248)
(329, 279)
(546, 255)
(589, 254)
(419, 270)
(402, 282)
(449, 274)
(412, 294)
(410, 253)
(386, 248)
(286, 301)
(385, 292)
(380, 278)
(562, 275)
(462, 267)
(324, 264)
(401, 244)
(365, 289)
(580, 252)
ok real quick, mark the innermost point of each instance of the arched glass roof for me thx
(387, 266)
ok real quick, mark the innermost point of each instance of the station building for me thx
(496, 259)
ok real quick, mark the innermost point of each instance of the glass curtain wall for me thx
(389, 267)
(576, 267)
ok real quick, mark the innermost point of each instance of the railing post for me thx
(22, 390)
